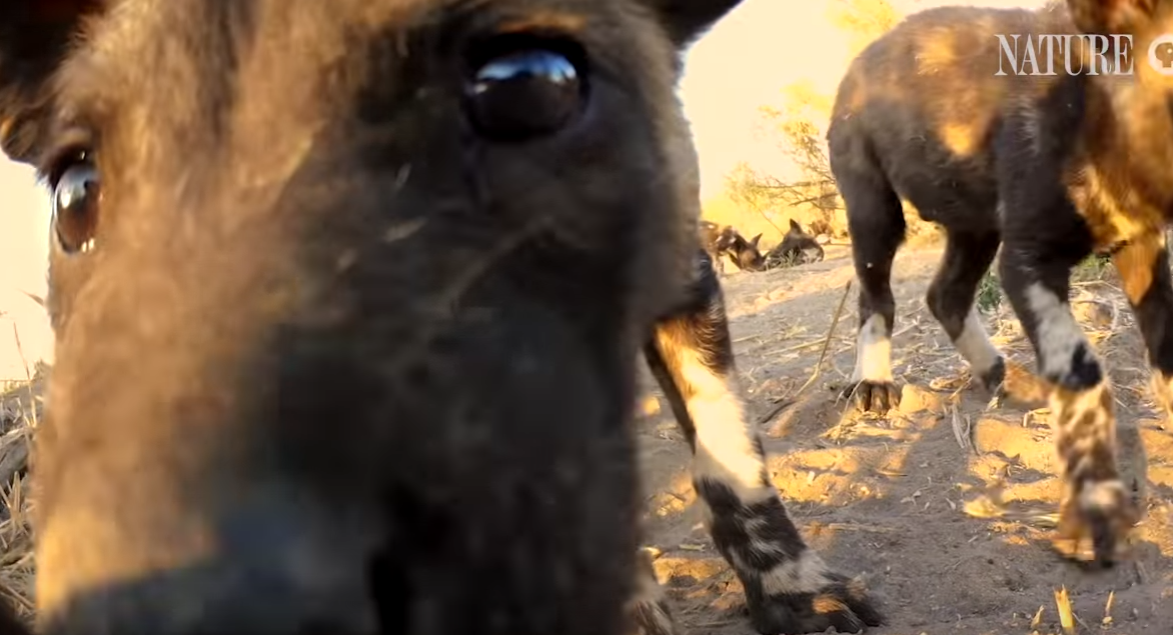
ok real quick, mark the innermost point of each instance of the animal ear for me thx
(794, 226)
(754, 241)
(1106, 17)
(35, 36)
(687, 20)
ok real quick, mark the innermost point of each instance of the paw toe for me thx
(993, 380)
(875, 397)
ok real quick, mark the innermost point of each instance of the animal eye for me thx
(76, 196)
(525, 94)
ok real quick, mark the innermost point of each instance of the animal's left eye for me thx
(76, 206)
(525, 94)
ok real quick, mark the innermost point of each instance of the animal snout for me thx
(271, 563)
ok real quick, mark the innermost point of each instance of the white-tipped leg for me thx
(985, 362)
(873, 353)
(872, 386)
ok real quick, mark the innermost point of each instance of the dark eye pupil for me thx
(525, 94)
(75, 208)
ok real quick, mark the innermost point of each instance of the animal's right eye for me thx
(525, 91)
(76, 198)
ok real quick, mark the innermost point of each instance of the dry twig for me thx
(818, 365)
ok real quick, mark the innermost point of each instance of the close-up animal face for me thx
(321, 273)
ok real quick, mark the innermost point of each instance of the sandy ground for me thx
(951, 540)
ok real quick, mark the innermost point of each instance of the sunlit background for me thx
(741, 65)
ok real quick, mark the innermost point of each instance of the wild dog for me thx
(726, 241)
(714, 241)
(1052, 167)
(744, 253)
(794, 249)
(348, 298)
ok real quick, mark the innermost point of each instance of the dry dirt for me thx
(951, 540)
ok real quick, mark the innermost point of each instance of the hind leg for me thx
(875, 221)
(789, 589)
(951, 301)
(1144, 269)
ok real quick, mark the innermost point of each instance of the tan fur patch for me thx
(826, 604)
(1136, 262)
(936, 53)
(548, 20)
(1162, 387)
(725, 450)
(102, 558)
(1085, 437)
(961, 139)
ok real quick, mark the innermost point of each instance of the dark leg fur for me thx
(1096, 511)
(1144, 270)
(876, 222)
(951, 300)
(788, 587)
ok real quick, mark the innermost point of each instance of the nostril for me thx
(390, 589)
(277, 561)
(419, 544)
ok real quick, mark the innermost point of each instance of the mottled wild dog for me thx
(1053, 167)
(794, 248)
(348, 299)
(744, 253)
(724, 241)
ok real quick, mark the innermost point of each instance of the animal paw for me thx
(874, 396)
(1094, 525)
(994, 379)
(648, 611)
(841, 603)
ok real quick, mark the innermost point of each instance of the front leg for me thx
(648, 610)
(1096, 509)
(789, 589)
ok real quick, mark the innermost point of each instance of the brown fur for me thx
(305, 372)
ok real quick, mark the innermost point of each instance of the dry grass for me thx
(20, 405)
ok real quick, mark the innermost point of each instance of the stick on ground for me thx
(818, 366)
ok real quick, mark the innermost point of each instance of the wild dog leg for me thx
(951, 300)
(789, 589)
(649, 610)
(1144, 269)
(1096, 506)
(876, 222)
(1143, 265)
